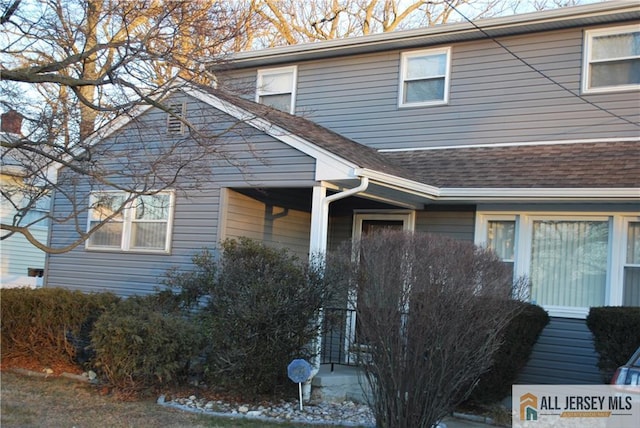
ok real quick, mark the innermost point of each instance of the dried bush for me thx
(430, 315)
(616, 336)
(49, 324)
(142, 343)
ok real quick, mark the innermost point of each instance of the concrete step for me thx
(343, 383)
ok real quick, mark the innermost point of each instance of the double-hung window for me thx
(276, 87)
(424, 77)
(631, 268)
(612, 59)
(572, 262)
(501, 237)
(140, 224)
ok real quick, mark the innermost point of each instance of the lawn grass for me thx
(58, 402)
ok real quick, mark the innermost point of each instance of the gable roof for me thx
(574, 170)
(548, 20)
(581, 171)
(360, 155)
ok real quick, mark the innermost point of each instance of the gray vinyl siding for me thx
(340, 230)
(254, 159)
(455, 223)
(564, 354)
(494, 98)
(271, 224)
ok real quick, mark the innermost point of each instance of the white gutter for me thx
(318, 245)
(563, 18)
(500, 193)
(364, 183)
(462, 194)
(399, 183)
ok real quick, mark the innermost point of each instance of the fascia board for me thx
(529, 22)
(632, 193)
(500, 194)
(329, 166)
(400, 183)
(516, 144)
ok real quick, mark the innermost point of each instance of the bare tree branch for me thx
(72, 67)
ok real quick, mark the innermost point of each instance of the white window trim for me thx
(125, 242)
(618, 223)
(294, 83)
(586, 61)
(620, 251)
(403, 70)
(407, 217)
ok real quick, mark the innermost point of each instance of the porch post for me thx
(319, 221)
(317, 246)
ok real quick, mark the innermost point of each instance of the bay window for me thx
(140, 224)
(572, 262)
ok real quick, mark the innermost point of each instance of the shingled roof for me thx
(352, 151)
(578, 165)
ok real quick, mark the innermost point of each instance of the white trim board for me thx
(517, 144)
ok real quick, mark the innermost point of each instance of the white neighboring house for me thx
(21, 263)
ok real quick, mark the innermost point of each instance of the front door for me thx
(365, 223)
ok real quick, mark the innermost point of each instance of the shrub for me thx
(141, 343)
(616, 334)
(430, 314)
(49, 324)
(185, 289)
(261, 314)
(520, 335)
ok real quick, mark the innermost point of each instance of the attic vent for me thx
(174, 124)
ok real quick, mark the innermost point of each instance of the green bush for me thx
(262, 304)
(616, 333)
(48, 323)
(520, 335)
(142, 343)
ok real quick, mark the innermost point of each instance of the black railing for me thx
(338, 334)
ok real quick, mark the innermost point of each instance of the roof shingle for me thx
(575, 165)
(579, 165)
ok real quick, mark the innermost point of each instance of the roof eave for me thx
(451, 194)
(601, 194)
(594, 14)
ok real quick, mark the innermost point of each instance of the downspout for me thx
(322, 248)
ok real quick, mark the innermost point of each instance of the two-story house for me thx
(520, 133)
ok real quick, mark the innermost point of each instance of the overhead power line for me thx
(540, 72)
